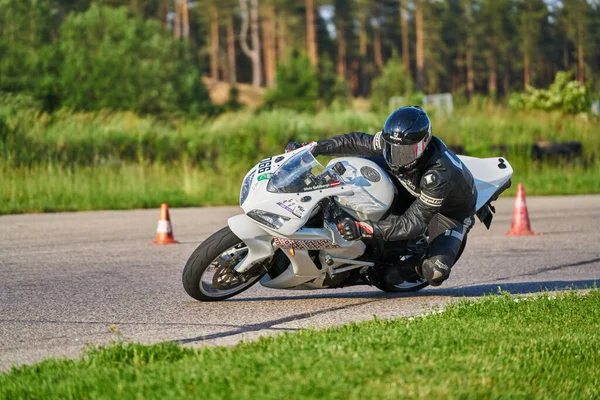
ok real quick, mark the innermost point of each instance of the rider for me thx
(442, 185)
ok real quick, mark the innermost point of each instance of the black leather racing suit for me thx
(445, 199)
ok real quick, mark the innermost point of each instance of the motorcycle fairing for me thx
(357, 187)
(490, 174)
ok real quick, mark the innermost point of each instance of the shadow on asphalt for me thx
(467, 291)
(267, 324)
(460, 291)
(513, 288)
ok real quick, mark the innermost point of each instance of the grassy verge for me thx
(51, 187)
(104, 160)
(500, 347)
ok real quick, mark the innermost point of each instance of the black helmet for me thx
(406, 134)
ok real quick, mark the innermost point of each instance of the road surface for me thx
(66, 278)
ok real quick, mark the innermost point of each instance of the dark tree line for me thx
(490, 47)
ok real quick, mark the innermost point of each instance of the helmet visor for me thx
(400, 155)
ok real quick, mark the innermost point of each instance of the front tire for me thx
(209, 273)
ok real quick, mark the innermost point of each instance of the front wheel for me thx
(209, 273)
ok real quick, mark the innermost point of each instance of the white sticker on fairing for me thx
(292, 207)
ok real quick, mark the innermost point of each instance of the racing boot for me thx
(402, 271)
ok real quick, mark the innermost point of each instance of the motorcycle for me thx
(287, 237)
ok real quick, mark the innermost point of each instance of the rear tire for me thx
(210, 256)
(406, 287)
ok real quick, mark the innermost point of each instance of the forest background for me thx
(131, 103)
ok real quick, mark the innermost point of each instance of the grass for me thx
(105, 160)
(51, 187)
(499, 347)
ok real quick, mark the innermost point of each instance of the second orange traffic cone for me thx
(164, 230)
(520, 220)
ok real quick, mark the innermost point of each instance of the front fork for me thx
(256, 239)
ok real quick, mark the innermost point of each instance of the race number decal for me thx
(264, 166)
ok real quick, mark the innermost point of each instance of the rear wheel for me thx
(209, 273)
(414, 282)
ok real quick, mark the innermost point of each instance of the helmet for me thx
(406, 134)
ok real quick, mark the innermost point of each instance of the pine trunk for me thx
(506, 83)
(311, 41)
(281, 37)
(377, 48)
(493, 76)
(566, 54)
(470, 74)
(254, 21)
(362, 73)
(163, 11)
(177, 27)
(580, 59)
(405, 48)
(232, 75)
(254, 53)
(354, 77)
(341, 57)
(214, 43)
(420, 45)
(492, 82)
(268, 31)
(460, 64)
(133, 5)
(526, 69)
(185, 20)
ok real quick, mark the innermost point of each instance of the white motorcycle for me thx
(288, 239)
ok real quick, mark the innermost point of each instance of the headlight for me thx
(269, 219)
(246, 187)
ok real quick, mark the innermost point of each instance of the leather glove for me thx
(291, 146)
(353, 230)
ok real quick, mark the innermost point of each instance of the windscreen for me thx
(302, 173)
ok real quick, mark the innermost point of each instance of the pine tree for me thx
(575, 18)
(250, 18)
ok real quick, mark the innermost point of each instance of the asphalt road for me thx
(66, 278)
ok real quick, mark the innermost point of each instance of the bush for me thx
(394, 81)
(26, 53)
(296, 86)
(113, 60)
(564, 94)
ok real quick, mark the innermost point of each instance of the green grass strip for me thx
(50, 188)
(498, 347)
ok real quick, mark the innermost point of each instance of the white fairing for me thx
(363, 190)
(489, 173)
(373, 190)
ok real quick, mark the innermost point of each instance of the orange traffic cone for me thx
(520, 220)
(164, 231)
